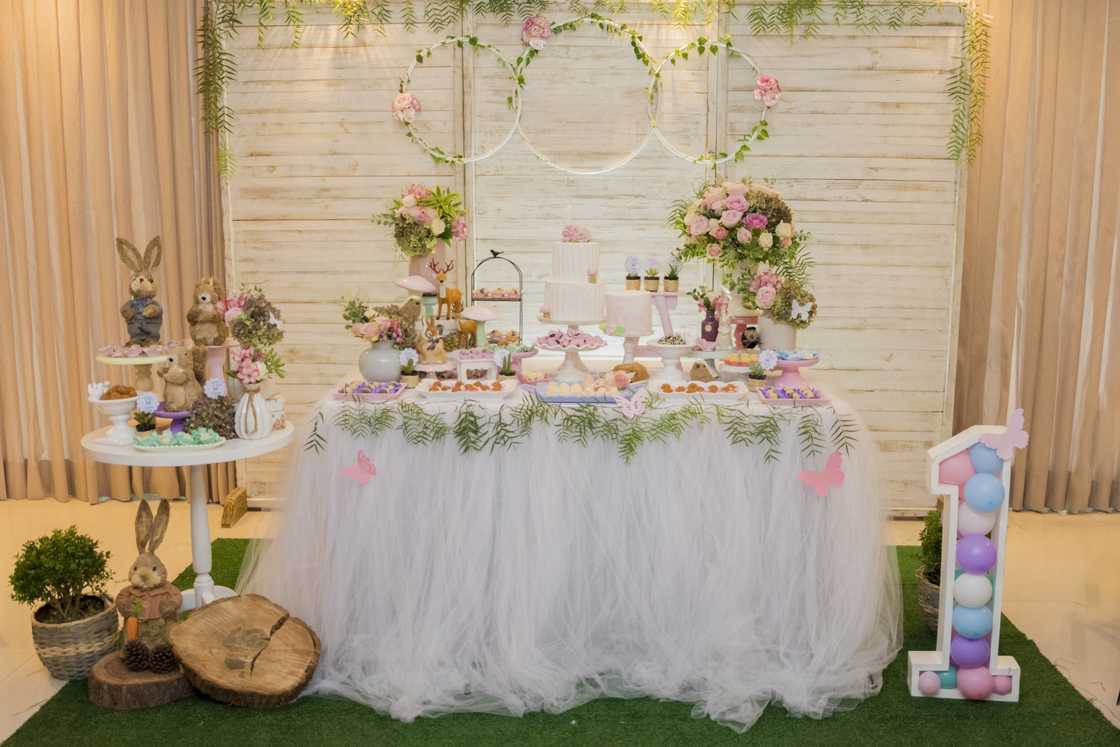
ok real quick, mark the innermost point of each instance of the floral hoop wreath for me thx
(703, 45)
(513, 101)
(640, 53)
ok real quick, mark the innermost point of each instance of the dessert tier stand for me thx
(573, 369)
(100, 449)
(143, 364)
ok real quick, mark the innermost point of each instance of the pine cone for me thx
(136, 656)
(163, 660)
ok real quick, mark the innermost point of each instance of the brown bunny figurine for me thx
(150, 600)
(142, 314)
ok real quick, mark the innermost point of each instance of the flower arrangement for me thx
(576, 234)
(535, 32)
(377, 329)
(746, 229)
(256, 325)
(421, 216)
(405, 107)
(710, 302)
(243, 364)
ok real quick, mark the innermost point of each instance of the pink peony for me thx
(736, 202)
(405, 107)
(714, 250)
(459, 228)
(744, 235)
(573, 234)
(764, 299)
(712, 195)
(755, 220)
(730, 218)
(764, 279)
(767, 90)
(535, 31)
(698, 226)
(719, 233)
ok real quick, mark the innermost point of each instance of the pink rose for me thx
(718, 206)
(698, 226)
(744, 235)
(419, 191)
(764, 279)
(719, 233)
(459, 228)
(737, 188)
(573, 233)
(405, 107)
(712, 195)
(755, 221)
(765, 296)
(767, 90)
(425, 215)
(730, 218)
(714, 250)
(736, 202)
(535, 31)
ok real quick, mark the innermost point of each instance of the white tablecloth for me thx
(550, 573)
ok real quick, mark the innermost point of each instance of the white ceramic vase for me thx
(380, 362)
(777, 335)
(253, 418)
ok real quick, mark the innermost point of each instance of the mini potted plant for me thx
(504, 359)
(633, 274)
(409, 358)
(653, 277)
(929, 571)
(145, 415)
(672, 279)
(74, 623)
(756, 377)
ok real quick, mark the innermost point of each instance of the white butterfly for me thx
(801, 311)
(631, 407)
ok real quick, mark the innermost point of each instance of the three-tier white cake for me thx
(572, 293)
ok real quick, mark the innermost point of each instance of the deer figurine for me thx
(467, 327)
(446, 297)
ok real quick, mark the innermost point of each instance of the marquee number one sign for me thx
(973, 470)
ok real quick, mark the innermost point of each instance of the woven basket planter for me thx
(929, 600)
(69, 650)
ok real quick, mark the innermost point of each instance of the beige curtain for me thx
(1041, 281)
(99, 138)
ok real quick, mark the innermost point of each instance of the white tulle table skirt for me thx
(549, 574)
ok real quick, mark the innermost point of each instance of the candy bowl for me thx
(788, 396)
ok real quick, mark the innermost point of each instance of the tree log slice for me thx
(111, 685)
(246, 651)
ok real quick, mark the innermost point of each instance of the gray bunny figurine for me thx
(142, 314)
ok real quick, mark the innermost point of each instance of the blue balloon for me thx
(948, 678)
(972, 622)
(985, 459)
(983, 492)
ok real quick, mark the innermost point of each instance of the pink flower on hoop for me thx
(405, 107)
(535, 31)
(767, 90)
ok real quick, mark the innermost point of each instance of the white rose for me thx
(438, 226)
(784, 230)
(765, 240)
(408, 201)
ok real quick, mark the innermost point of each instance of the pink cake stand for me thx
(791, 371)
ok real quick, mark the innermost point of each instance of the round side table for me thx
(102, 450)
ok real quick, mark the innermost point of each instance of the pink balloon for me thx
(929, 683)
(956, 469)
(1001, 684)
(975, 684)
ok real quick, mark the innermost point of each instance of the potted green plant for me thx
(653, 277)
(671, 282)
(504, 359)
(929, 571)
(633, 274)
(756, 377)
(145, 414)
(409, 358)
(74, 624)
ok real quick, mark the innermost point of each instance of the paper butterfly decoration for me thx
(1013, 438)
(631, 407)
(801, 311)
(360, 471)
(830, 477)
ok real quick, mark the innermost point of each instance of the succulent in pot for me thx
(671, 281)
(633, 273)
(653, 277)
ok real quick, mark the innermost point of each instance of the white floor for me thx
(1062, 589)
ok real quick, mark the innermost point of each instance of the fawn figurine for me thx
(142, 314)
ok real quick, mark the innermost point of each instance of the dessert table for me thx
(502, 556)
(205, 590)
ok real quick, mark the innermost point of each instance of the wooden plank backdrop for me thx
(857, 147)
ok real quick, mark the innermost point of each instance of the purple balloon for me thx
(976, 553)
(967, 653)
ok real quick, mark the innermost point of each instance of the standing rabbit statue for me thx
(150, 603)
(142, 314)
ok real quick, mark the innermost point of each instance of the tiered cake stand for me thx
(143, 366)
(573, 369)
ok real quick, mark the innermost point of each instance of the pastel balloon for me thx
(984, 492)
(1001, 684)
(972, 590)
(975, 683)
(971, 521)
(948, 677)
(976, 553)
(972, 622)
(985, 459)
(956, 469)
(967, 653)
(929, 683)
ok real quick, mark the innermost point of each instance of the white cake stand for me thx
(143, 364)
(573, 369)
(671, 371)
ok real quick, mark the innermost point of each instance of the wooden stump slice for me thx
(246, 651)
(112, 685)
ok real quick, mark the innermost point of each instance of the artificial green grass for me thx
(1050, 712)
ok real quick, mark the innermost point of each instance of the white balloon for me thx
(972, 590)
(971, 521)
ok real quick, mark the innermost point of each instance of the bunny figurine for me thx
(150, 602)
(142, 314)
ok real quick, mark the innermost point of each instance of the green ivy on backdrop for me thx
(221, 20)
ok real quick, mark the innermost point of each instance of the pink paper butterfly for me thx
(1013, 438)
(831, 476)
(631, 407)
(360, 471)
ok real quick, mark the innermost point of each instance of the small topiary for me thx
(931, 547)
(60, 571)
